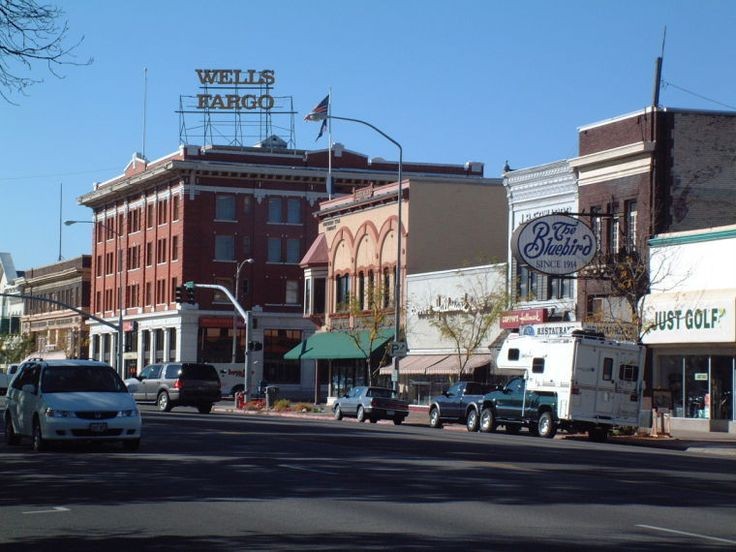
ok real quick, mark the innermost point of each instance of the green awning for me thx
(339, 345)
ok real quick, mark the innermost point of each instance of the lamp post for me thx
(235, 318)
(315, 116)
(121, 333)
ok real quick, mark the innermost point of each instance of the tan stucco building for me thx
(447, 222)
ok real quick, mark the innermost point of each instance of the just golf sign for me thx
(554, 244)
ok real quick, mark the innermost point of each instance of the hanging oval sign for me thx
(554, 244)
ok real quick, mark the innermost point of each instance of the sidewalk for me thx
(712, 443)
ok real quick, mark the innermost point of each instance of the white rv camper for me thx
(597, 382)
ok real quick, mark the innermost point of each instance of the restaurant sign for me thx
(554, 244)
(511, 320)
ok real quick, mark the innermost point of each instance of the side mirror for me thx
(29, 388)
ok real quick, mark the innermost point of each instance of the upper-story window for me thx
(292, 292)
(294, 211)
(225, 207)
(163, 211)
(274, 209)
(175, 203)
(149, 216)
(293, 250)
(274, 250)
(224, 248)
(528, 284)
(631, 219)
(134, 220)
(342, 293)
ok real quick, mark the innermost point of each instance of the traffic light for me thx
(179, 294)
(190, 296)
(255, 345)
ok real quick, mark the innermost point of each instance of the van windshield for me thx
(68, 379)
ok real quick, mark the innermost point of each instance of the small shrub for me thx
(257, 405)
(303, 407)
(281, 405)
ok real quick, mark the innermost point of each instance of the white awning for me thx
(436, 364)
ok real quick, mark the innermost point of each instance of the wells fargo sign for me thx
(256, 83)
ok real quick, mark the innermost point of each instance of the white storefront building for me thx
(690, 327)
(435, 359)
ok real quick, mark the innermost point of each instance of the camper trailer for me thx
(583, 382)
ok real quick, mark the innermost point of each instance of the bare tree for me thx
(31, 33)
(468, 320)
(370, 319)
(630, 281)
(16, 347)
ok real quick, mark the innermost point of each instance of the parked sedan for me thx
(371, 403)
(70, 400)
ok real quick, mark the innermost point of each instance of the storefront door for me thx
(722, 387)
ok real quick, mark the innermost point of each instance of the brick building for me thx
(196, 215)
(59, 332)
(655, 171)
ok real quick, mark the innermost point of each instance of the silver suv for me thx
(70, 400)
(177, 384)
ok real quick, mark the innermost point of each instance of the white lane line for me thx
(706, 537)
(52, 511)
(301, 468)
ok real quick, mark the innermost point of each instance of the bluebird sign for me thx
(554, 244)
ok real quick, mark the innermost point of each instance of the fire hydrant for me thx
(240, 400)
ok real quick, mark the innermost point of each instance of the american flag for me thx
(320, 109)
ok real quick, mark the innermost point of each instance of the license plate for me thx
(389, 413)
(98, 427)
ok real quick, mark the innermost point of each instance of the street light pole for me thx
(314, 116)
(235, 318)
(123, 279)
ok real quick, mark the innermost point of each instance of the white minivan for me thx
(70, 400)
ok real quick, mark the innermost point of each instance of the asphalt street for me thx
(233, 482)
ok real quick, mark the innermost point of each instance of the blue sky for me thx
(452, 81)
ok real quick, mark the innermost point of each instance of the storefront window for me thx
(699, 386)
(670, 380)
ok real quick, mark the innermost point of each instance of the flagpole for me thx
(329, 142)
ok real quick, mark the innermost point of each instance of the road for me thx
(233, 482)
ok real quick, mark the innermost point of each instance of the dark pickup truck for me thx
(514, 407)
(457, 405)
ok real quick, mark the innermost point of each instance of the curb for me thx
(667, 443)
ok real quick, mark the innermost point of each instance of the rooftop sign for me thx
(554, 244)
(251, 80)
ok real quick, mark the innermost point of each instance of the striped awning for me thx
(436, 364)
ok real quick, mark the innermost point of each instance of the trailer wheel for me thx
(472, 421)
(546, 426)
(434, 418)
(487, 421)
